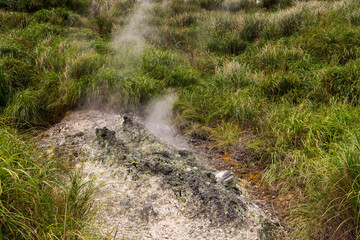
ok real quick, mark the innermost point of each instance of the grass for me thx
(39, 199)
(294, 100)
(279, 79)
(29, 5)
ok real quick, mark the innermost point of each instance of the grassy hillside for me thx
(279, 80)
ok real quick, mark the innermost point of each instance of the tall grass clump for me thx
(338, 43)
(39, 198)
(25, 108)
(272, 58)
(169, 67)
(237, 5)
(284, 23)
(333, 207)
(107, 14)
(343, 82)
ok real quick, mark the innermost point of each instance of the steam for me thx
(158, 120)
(130, 43)
(131, 38)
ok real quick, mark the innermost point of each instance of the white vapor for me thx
(130, 42)
(131, 38)
(158, 120)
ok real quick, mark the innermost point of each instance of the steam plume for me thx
(132, 37)
(158, 120)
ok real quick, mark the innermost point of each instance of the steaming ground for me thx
(158, 121)
(137, 205)
(140, 205)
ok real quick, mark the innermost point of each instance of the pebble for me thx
(227, 178)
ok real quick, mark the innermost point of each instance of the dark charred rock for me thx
(183, 153)
(147, 212)
(105, 134)
(107, 148)
(127, 120)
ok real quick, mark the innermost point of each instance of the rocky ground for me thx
(150, 189)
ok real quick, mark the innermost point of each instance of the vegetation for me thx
(40, 199)
(280, 79)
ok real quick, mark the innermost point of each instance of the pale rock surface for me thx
(149, 189)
